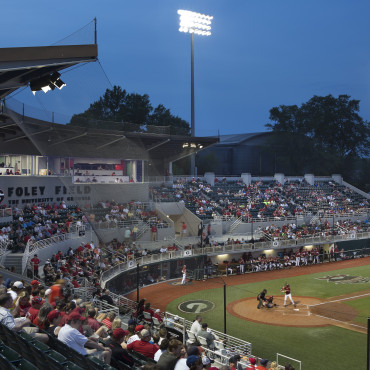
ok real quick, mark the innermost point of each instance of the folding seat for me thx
(26, 365)
(5, 363)
(11, 355)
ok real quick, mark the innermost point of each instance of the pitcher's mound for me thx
(246, 309)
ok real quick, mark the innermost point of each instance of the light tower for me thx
(200, 24)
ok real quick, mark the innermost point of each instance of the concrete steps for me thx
(14, 259)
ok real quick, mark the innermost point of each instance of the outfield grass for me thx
(317, 348)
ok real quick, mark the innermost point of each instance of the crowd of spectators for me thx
(111, 213)
(261, 199)
(38, 221)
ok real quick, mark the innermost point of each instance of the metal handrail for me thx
(230, 248)
(6, 212)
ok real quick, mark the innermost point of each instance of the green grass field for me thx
(362, 305)
(317, 348)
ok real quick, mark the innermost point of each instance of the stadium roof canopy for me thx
(26, 65)
(22, 135)
(29, 136)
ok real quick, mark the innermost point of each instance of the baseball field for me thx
(327, 329)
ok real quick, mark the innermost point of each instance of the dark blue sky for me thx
(261, 53)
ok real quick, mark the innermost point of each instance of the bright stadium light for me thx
(199, 24)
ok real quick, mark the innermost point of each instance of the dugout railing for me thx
(224, 249)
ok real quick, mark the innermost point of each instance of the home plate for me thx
(296, 309)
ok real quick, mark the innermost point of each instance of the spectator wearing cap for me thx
(157, 315)
(47, 293)
(36, 303)
(194, 362)
(206, 361)
(54, 318)
(34, 284)
(115, 344)
(136, 336)
(70, 336)
(16, 324)
(169, 358)
(143, 346)
(263, 364)
(252, 363)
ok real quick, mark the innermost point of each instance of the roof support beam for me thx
(70, 138)
(111, 142)
(157, 145)
(23, 136)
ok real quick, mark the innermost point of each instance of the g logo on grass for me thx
(196, 306)
(344, 279)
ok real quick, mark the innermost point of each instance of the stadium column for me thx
(137, 282)
(225, 308)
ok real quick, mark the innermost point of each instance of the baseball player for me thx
(183, 275)
(288, 294)
(297, 257)
(241, 265)
(262, 299)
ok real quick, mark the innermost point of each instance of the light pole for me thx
(200, 24)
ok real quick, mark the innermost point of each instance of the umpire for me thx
(261, 298)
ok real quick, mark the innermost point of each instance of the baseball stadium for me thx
(245, 270)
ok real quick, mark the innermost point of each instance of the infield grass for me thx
(317, 348)
(362, 306)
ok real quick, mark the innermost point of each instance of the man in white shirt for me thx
(17, 324)
(196, 327)
(70, 336)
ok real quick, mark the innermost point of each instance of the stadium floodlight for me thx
(47, 83)
(193, 22)
(199, 24)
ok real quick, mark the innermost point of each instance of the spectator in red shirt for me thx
(109, 319)
(75, 282)
(149, 310)
(35, 262)
(143, 346)
(157, 315)
(154, 233)
(33, 311)
(91, 320)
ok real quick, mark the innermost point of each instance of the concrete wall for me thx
(20, 190)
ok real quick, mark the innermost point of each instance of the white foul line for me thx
(343, 322)
(338, 300)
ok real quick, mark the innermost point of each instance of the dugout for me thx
(144, 275)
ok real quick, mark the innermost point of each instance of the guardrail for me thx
(34, 247)
(6, 212)
(226, 249)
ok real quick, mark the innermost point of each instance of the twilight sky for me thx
(262, 53)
